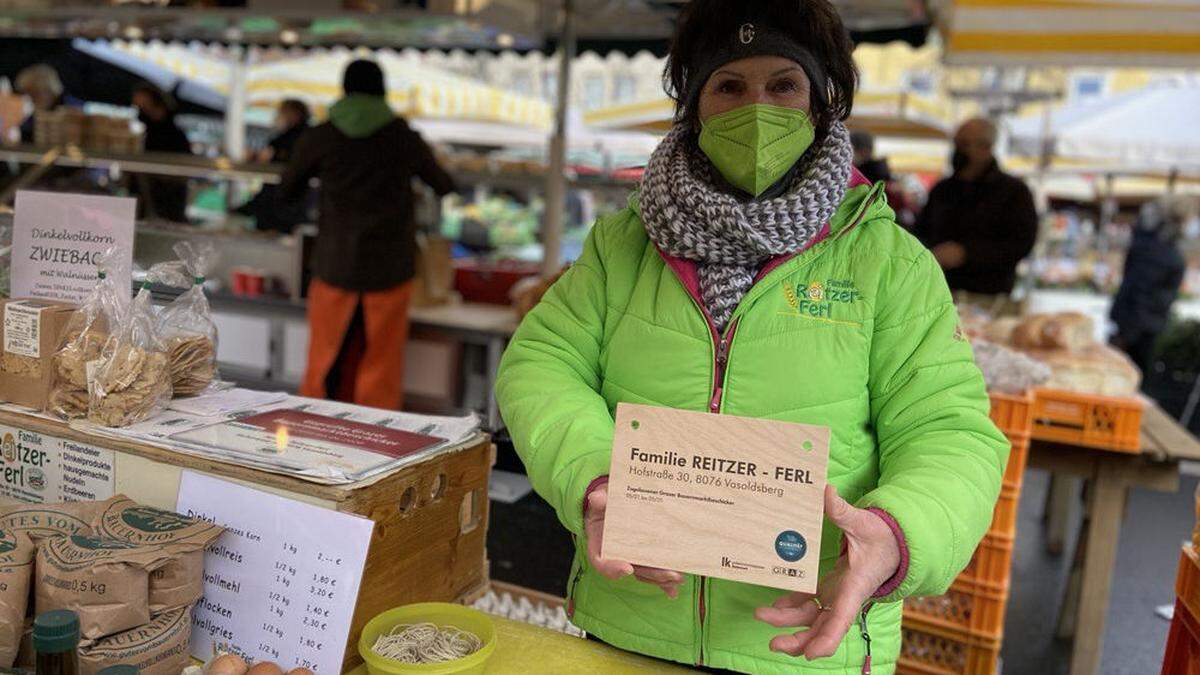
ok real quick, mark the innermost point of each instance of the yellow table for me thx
(523, 648)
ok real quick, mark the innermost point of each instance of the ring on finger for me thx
(821, 607)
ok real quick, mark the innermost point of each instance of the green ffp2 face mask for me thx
(755, 145)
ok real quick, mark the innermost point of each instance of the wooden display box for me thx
(430, 519)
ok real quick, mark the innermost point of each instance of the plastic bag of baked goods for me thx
(16, 569)
(105, 581)
(187, 327)
(179, 582)
(84, 339)
(131, 381)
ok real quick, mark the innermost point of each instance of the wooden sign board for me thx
(717, 495)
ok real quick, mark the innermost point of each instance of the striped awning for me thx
(1148, 33)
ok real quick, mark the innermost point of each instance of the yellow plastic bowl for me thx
(441, 614)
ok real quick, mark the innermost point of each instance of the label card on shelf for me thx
(57, 238)
(281, 584)
(40, 469)
(718, 495)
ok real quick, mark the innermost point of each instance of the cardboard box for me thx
(30, 333)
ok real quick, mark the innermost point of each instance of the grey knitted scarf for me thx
(689, 215)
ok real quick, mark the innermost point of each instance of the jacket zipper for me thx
(866, 636)
(721, 360)
(574, 584)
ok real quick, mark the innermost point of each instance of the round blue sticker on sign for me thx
(790, 545)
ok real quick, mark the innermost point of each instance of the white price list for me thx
(282, 582)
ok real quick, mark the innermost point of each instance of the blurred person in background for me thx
(365, 255)
(1154, 272)
(44, 88)
(163, 197)
(980, 222)
(270, 212)
(876, 169)
(291, 121)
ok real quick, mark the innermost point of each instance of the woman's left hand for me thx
(872, 557)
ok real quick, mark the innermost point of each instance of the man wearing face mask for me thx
(980, 222)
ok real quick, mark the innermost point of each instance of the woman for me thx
(754, 274)
(365, 255)
(1154, 271)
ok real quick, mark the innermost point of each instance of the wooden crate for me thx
(429, 542)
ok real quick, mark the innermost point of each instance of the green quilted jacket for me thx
(857, 333)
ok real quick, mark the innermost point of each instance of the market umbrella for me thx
(1153, 129)
(1073, 32)
(314, 76)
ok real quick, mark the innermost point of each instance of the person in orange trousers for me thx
(365, 255)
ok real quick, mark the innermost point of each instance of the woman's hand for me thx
(593, 525)
(872, 557)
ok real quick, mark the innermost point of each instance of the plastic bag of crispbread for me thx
(131, 381)
(84, 339)
(187, 327)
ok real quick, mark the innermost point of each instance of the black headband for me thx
(749, 40)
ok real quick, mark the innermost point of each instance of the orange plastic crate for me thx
(1183, 644)
(1013, 413)
(1104, 422)
(991, 566)
(930, 650)
(1018, 457)
(1187, 582)
(974, 608)
(1004, 517)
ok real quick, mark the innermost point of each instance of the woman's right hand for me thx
(593, 526)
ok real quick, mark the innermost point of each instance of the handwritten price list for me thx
(282, 582)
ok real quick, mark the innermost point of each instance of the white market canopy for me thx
(314, 76)
(1153, 129)
(1072, 32)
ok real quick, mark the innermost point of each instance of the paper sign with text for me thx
(717, 495)
(57, 238)
(282, 582)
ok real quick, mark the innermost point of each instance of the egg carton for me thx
(521, 609)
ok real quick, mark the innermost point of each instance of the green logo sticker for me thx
(807, 445)
(94, 544)
(149, 519)
(635, 424)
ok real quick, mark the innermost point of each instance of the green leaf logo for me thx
(635, 424)
(807, 445)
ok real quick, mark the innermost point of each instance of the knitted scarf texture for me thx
(690, 213)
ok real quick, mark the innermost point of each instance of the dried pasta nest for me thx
(193, 364)
(23, 366)
(129, 387)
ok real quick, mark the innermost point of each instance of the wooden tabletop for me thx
(334, 493)
(1164, 439)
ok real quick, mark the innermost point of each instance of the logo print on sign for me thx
(816, 292)
(37, 479)
(790, 545)
(10, 448)
(149, 519)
